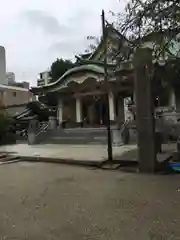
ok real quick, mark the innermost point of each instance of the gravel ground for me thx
(51, 201)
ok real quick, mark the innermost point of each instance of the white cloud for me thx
(35, 33)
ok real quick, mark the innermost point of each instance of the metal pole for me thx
(104, 31)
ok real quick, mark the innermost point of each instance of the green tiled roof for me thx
(87, 67)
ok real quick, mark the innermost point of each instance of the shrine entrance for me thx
(94, 110)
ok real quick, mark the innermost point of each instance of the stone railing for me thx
(167, 121)
(37, 131)
(43, 127)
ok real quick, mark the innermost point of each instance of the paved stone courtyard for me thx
(85, 152)
(76, 152)
(52, 201)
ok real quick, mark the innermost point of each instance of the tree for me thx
(94, 42)
(59, 67)
(159, 19)
(158, 22)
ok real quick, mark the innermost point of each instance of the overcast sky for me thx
(36, 32)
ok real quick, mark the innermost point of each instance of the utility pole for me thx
(105, 33)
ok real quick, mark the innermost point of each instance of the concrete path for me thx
(56, 202)
(88, 155)
(73, 152)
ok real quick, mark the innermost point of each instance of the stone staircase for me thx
(82, 136)
(47, 134)
(75, 136)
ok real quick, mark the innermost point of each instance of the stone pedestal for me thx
(52, 122)
(116, 136)
(31, 138)
(32, 131)
(172, 99)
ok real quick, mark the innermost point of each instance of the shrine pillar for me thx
(60, 111)
(111, 106)
(78, 110)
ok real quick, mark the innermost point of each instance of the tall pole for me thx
(145, 110)
(104, 31)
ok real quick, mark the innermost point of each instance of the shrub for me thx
(7, 134)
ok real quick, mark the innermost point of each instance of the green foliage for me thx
(5, 125)
(158, 22)
(146, 17)
(7, 129)
(59, 67)
(93, 43)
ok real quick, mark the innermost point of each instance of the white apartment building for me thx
(44, 78)
(2, 65)
(10, 78)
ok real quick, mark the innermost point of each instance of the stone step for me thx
(74, 141)
(80, 136)
(83, 136)
(80, 132)
(75, 136)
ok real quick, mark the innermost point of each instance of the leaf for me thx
(59, 67)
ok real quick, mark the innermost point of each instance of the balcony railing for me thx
(40, 82)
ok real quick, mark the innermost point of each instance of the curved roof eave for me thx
(87, 67)
(111, 29)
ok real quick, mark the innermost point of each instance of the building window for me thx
(14, 94)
